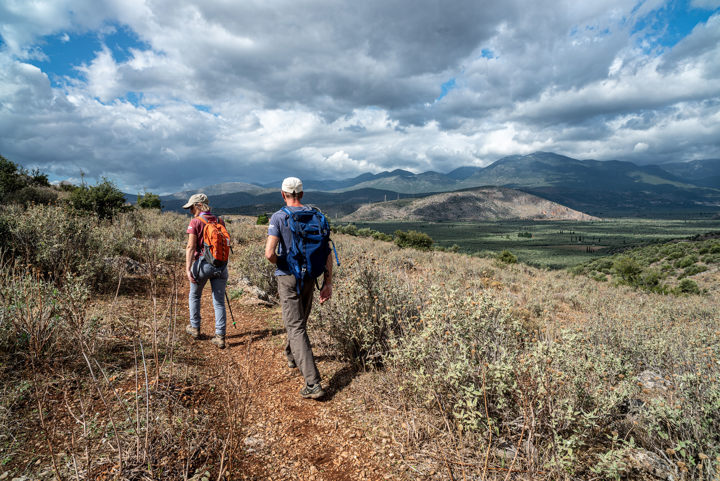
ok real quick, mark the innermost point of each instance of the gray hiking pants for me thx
(295, 312)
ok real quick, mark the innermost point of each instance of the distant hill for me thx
(699, 172)
(334, 204)
(486, 203)
(603, 188)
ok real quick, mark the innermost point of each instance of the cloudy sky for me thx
(173, 94)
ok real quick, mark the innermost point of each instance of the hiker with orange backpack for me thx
(206, 257)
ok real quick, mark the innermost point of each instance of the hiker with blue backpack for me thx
(298, 244)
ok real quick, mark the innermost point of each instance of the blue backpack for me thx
(307, 255)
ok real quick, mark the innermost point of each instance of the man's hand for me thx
(190, 276)
(325, 293)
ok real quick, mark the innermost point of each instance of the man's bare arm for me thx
(270, 247)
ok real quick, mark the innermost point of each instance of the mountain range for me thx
(600, 188)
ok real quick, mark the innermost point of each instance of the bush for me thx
(349, 229)
(17, 185)
(507, 257)
(382, 236)
(526, 235)
(414, 239)
(369, 309)
(688, 286)
(103, 199)
(149, 201)
(262, 219)
(627, 268)
(686, 261)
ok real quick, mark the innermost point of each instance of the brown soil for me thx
(286, 436)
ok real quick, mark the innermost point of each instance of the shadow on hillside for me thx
(252, 336)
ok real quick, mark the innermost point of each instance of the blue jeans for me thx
(202, 272)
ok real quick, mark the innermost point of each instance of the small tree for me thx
(149, 200)
(627, 268)
(414, 239)
(104, 199)
(507, 257)
(263, 219)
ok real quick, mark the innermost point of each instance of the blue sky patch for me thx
(66, 51)
(665, 27)
(446, 87)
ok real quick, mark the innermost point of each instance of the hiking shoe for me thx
(219, 341)
(291, 364)
(193, 331)
(313, 392)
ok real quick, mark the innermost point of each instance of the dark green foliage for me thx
(381, 236)
(507, 257)
(658, 267)
(17, 185)
(627, 268)
(262, 219)
(688, 286)
(104, 199)
(35, 195)
(526, 235)
(149, 200)
(414, 239)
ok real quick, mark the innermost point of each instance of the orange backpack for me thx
(216, 243)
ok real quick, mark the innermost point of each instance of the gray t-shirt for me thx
(278, 228)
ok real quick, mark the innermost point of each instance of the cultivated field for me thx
(553, 244)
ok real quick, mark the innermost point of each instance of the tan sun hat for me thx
(196, 199)
(292, 185)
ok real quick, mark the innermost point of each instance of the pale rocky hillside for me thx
(485, 203)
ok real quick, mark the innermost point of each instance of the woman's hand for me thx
(190, 276)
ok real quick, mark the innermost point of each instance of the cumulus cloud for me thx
(219, 91)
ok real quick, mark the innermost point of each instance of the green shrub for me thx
(688, 286)
(627, 268)
(686, 261)
(262, 219)
(149, 200)
(103, 199)
(61, 243)
(413, 239)
(350, 229)
(369, 309)
(507, 257)
(382, 236)
(692, 270)
(526, 235)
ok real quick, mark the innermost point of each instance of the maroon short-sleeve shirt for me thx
(197, 226)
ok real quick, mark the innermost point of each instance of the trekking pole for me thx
(230, 309)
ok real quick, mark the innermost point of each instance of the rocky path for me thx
(285, 436)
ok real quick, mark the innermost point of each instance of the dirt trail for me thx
(287, 437)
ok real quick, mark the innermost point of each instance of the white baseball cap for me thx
(196, 199)
(292, 185)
